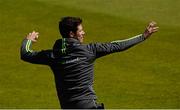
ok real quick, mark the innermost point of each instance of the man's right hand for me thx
(33, 36)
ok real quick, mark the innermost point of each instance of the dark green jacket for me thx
(73, 63)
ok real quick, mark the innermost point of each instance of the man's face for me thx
(79, 35)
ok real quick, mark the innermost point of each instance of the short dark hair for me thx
(68, 24)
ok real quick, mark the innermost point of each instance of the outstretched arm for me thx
(27, 54)
(101, 49)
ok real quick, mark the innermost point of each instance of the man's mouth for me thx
(82, 37)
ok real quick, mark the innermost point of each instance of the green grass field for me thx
(145, 76)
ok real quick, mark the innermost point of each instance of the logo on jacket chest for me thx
(74, 60)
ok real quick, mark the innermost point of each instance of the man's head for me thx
(71, 27)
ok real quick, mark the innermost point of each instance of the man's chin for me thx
(81, 40)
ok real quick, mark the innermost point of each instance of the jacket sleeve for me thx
(102, 49)
(35, 57)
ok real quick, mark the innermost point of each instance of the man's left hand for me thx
(151, 28)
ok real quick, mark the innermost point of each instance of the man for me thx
(73, 62)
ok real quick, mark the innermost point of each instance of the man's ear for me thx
(71, 34)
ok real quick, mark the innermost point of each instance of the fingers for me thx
(151, 28)
(33, 33)
(152, 24)
(33, 36)
(155, 29)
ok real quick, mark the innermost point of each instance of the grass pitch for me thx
(145, 76)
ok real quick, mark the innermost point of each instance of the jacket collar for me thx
(72, 41)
